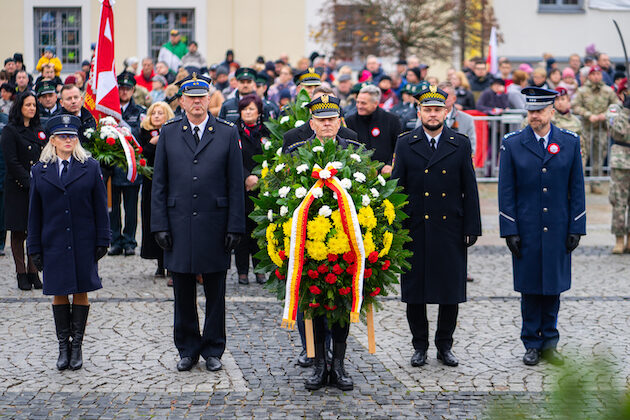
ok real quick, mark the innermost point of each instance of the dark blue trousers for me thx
(540, 320)
(124, 237)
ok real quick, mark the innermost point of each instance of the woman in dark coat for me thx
(68, 231)
(252, 133)
(22, 142)
(157, 114)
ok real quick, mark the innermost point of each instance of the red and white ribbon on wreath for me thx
(130, 155)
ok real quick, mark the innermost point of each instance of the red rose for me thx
(313, 274)
(332, 257)
(373, 257)
(280, 275)
(337, 269)
(386, 265)
(111, 141)
(140, 149)
(367, 273)
(142, 162)
(282, 255)
(331, 278)
(351, 269)
(315, 290)
(314, 305)
(375, 292)
(330, 308)
(348, 257)
(344, 290)
(322, 269)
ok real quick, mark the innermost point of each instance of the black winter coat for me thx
(378, 131)
(305, 132)
(149, 248)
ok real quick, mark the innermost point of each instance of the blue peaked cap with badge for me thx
(538, 98)
(63, 124)
(194, 85)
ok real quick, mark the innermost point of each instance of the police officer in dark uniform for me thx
(542, 216)
(198, 217)
(47, 100)
(124, 239)
(434, 166)
(262, 84)
(246, 78)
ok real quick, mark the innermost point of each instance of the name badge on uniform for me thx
(553, 148)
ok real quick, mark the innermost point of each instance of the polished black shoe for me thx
(160, 272)
(213, 364)
(242, 279)
(260, 278)
(531, 357)
(129, 252)
(62, 316)
(115, 250)
(319, 376)
(338, 375)
(33, 278)
(186, 363)
(419, 358)
(79, 318)
(469, 279)
(304, 360)
(23, 282)
(447, 357)
(553, 357)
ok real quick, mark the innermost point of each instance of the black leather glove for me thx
(573, 240)
(470, 240)
(38, 261)
(164, 240)
(514, 243)
(101, 251)
(231, 241)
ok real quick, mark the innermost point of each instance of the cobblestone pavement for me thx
(129, 355)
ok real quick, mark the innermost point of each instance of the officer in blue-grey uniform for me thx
(246, 79)
(542, 215)
(198, 217)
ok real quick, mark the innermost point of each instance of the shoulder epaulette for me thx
(172, 120)
(354, 143)
(226, 122)
(296, 145)
(564, 130)
(508, 135)
(404, 132)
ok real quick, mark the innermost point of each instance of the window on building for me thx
(561, 6)
(59, 28)
(161, 21)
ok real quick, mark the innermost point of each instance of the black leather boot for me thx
(33, 278)
(319, 377)
(79, 320)
(338, 375)
(62, 316)
(23, 282)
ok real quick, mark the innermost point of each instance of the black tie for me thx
(542, 143)
(432, 141)
(196, 134)
(64, 171)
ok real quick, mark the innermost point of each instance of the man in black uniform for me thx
(307, 80)
(377, 129)
(246, 79)
(197, 217)
(124, 240)
(72, 104)
(48, 102)
(262, 84)
(434, 166)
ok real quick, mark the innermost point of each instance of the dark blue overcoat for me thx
(541, 199)
(66, 222)
(198, 194)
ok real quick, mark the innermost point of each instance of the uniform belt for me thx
(621, 143)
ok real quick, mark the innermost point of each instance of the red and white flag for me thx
(102, 89)
(493, 58)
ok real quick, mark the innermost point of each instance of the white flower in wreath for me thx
(381, 180)
(266, 193)
(336, 164)
(265, 164)
(88, 132)
(325, 211)
(324, 174)
(108, 121)
(346, 183)
(285, 119)
(283, 211)
(267, 145)
(355, 157)
(318, 149)
(318, 192)
(299, 123)
(300, 192)
(374, 192)
(279, 167)
(359, 177)
(284, 191)
(279, 151)
(125, 131)
(270, 215)
(335, 197)
(302, 168)
(365, 200)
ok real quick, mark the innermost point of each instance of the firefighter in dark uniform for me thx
(198, 217)
(262, 84)
(246, 79)
(542, 216)
(307, 80)
(434, 166)
(47, 100)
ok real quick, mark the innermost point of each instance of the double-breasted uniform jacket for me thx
(443, 208)
(198, 193)
(541, 199)
(67, 221)
(21, 147)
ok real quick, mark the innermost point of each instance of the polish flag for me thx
(101, 97)
(493, 58)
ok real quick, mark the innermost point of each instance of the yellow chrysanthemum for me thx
(271, 245)
(316, 250)
(264, 172)
(287, 245)
(390, 211)
(336, 218)
(366, 218)
(318, 228)
(338, 244)
(388, 237)
(286, 227)
(368, 243)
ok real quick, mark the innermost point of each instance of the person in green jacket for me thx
(173, 51)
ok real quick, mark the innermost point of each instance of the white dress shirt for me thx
(545, 137)
(437, 138)
(201, 126)
(60, 164)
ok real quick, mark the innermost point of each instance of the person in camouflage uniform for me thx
(619, 122)
(564, 118)
(590, 102)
